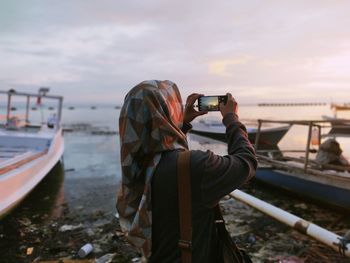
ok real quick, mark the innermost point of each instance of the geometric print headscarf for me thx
(150, 123)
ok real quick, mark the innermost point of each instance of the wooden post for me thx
(319, 135)
(27, 110)
(307, 152)
(60, 103)
(257, 136)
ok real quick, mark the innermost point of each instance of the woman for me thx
(153, 128)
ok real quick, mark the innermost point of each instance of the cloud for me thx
(220, 67)
(252, 48)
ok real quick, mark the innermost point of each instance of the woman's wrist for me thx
(186, 126)
(229, 118)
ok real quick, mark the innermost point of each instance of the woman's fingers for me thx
(192, 98)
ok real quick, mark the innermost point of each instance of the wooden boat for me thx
(27, 152)
(329, 184)
(268, 137)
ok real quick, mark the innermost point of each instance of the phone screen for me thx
(210, 103)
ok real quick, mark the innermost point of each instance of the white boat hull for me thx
(18, 182)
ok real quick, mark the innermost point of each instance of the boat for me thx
(329, 184)
(268, 138)
(339, 127)
(28, 151)
(340, 107)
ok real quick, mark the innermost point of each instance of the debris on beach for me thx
(106, 258)
(61, 239)
(66, 228)
(267, 240)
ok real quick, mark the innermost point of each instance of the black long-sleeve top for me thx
(212, 177)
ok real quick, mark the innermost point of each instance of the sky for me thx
(260, 51)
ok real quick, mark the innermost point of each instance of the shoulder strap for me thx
(185, 205)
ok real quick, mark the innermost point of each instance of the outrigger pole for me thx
(323, 235)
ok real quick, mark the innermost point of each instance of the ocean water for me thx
(106, 118)
(85, 122)
(92, 156)
(93, 131)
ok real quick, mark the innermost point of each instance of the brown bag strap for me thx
(185, 205)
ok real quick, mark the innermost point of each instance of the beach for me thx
(75, 205)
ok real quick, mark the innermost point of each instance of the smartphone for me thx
(211, 103)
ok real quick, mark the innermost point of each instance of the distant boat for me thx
(34, 108)
(71, 108)
(27, 152)
(93, 107)
(340, 107)
(51, 108)
(13, 108)
(117, 107)
(215, 130)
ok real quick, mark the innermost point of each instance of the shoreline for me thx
(35, 237)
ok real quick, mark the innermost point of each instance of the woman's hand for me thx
(230, 106)
(190, 113)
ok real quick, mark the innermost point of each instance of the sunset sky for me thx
(260, 51)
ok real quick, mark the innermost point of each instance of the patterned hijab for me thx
(150, 123)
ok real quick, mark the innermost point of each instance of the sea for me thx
(91, 136)
(88, 178)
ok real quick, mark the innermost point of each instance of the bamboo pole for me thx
(59, 117)
(320, 234)
(27, 110)
(307, 151)
(257, 136)
(8, 108)
(23, 94)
